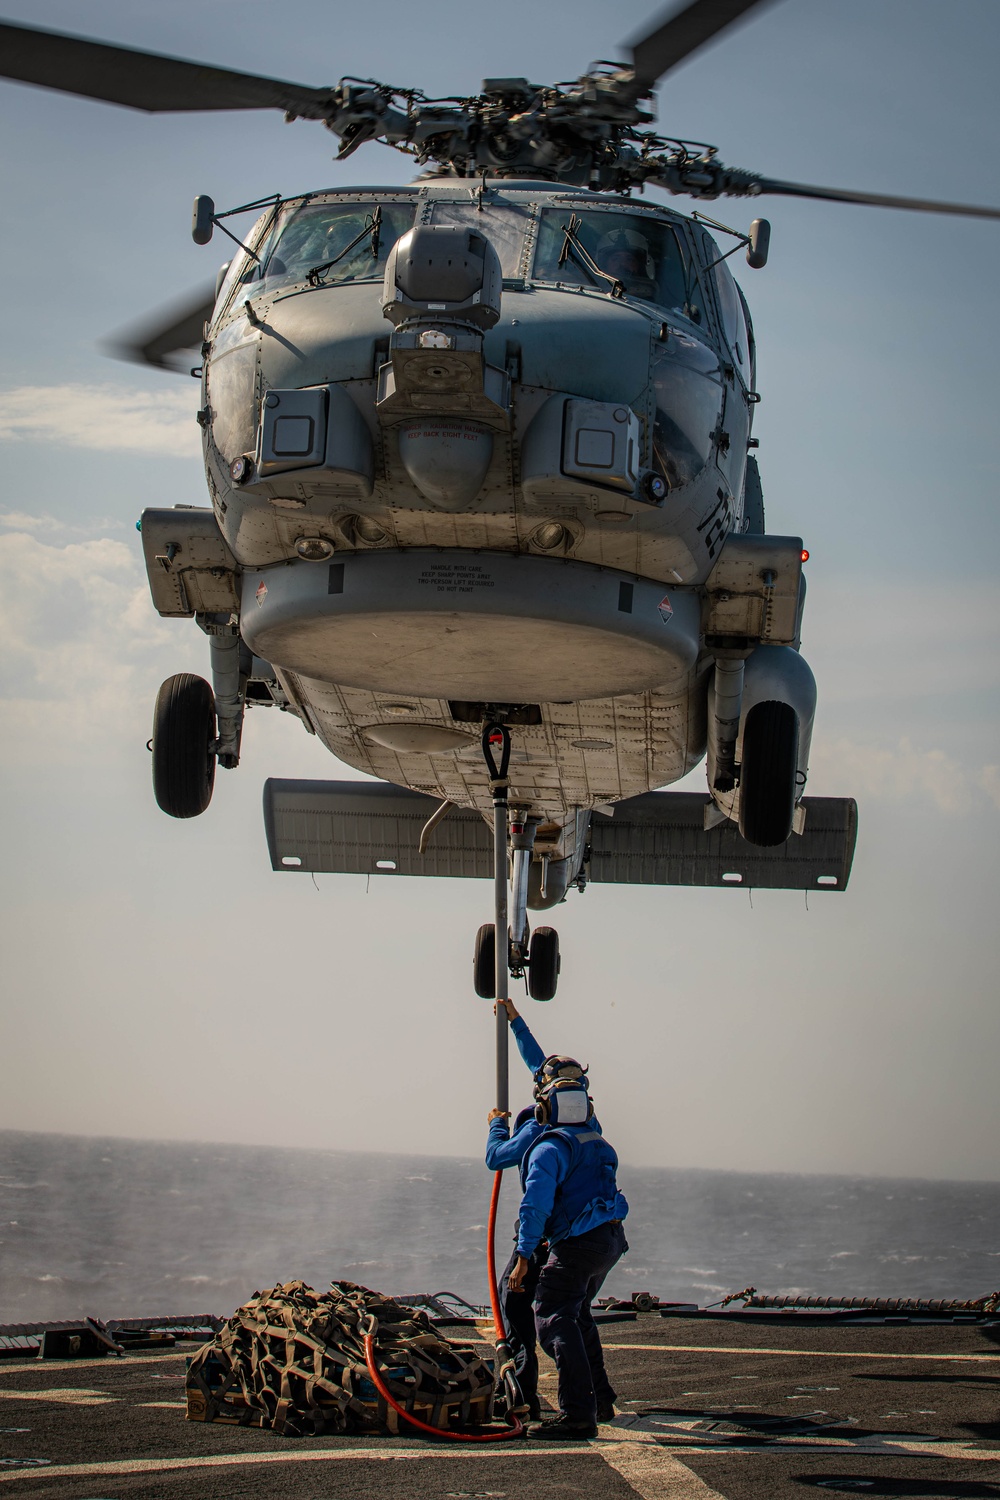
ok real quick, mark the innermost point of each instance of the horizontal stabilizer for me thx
(370, 828)
(373, 828)
(660, 839)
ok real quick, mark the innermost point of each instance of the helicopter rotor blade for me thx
(876, 200)
(679, 35)
(144, 80)
(174, 328)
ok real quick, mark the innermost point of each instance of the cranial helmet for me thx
(561, 1096)
(638, 278)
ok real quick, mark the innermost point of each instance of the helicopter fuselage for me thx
(427, 527)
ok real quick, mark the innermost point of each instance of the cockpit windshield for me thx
(503, 222)
(642, 256)
(335, 242)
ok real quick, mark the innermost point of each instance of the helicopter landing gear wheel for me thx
(484, 962)
(183, 746)
(543, 963)
(768, 773)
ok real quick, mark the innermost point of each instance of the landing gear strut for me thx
(534, 955)
(496, 743)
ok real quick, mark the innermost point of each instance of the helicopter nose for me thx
(447, 461)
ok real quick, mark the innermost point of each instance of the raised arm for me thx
(531, 1054)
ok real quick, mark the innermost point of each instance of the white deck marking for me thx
(300, 1456)
(679, 1435)
(797, 1353)
(70, 1396)
(652, 1471)
(931, 1450)
(872, 1448)
(109, 1362)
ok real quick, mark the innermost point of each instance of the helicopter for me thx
(480, 454)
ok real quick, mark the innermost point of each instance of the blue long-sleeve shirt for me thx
(503, 1149)
(531, 1053)
(565, 1194)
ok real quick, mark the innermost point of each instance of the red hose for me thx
(517, 1427)
(491, 1257)
(442, 1432)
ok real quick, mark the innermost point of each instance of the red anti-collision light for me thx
(805, 555)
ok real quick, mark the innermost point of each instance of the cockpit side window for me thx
(313, 236)
(647, 257)
(734, 324)
(242, 263)
(751, 341)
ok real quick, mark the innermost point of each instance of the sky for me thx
(161, 981)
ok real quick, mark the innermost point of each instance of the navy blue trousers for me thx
(569, 1281)
(519, 1323)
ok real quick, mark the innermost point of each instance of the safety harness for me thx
(578, 1192)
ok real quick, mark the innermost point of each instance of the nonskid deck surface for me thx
(706, 1410)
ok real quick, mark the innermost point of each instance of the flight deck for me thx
(734, 1407)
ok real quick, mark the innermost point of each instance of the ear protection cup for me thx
(546, 1096)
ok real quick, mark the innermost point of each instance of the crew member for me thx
(501, 1152)
(625, 254)
(569, 1235)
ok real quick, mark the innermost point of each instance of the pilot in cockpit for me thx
(625, 255)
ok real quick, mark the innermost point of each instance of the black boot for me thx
(606, 1411)
(562, 1430)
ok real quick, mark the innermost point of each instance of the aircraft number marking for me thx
(718, 523)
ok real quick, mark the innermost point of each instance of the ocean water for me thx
(114, 1227)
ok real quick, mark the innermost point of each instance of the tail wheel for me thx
(543, 963)
(484, 963)
(768, 773)
(183, 746)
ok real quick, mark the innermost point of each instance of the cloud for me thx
(108, 418)
(46, 525)
(989, 780)
(904, 773)
(83, 648)
(889, 641)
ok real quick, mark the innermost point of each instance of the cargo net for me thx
(292, 1359)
